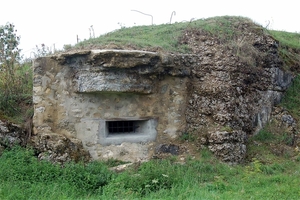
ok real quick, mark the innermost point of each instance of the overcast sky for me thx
(60, 21)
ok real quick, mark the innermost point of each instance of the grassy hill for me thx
(272, 169)
(169, 37)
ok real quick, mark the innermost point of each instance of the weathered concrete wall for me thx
(75, 95)
(215, 94)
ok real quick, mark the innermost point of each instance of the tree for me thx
(9, 41)
(9, 57)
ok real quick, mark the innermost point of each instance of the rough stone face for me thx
(167, 148)
(285, 125)
(215, 86)
(128, 152)
(53, 147)
(11, 135)
(59, 149)
(228, 146)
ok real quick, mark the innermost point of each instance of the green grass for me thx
(22, 176)
(225, 29)
(287, 39)
(289, 48)
(166, 36)
(291, 100)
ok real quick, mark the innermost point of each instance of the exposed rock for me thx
(121, 168)
(285, 125)
(59, 149)
(167, 148)
(11, 135)
(228, 146)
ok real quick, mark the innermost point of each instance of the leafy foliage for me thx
(9, 52)
(15, 78)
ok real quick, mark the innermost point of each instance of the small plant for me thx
(291, 100)
(287, 139)
(67, 47)
(185, 136)
(41, 51)
(263, 136)
(227, 128)
(254, 168)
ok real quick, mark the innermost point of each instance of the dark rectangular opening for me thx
(119, 127)
(133, 130)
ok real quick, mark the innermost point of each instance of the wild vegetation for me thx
(15, 78)
(23, 176)
(271, 170)
(166, 37)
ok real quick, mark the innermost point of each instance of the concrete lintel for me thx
(98, 51)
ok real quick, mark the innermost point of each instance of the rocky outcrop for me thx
(234, 85)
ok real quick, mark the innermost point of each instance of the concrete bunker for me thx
(131, 104)
(110, 99)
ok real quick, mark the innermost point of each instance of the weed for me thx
(291, 100)
(263, 136)
(227, 128)
(187, 137)
(287, 139)
(254, 168)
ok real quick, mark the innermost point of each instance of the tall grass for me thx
(18, 105)
(22, 176)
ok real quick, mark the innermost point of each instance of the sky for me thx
(59, 22)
